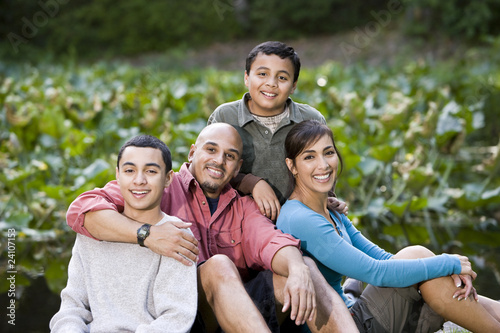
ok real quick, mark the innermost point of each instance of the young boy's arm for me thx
(261, 191)
(245, 182)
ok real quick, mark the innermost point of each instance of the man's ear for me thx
(168, 178)
(191, 153)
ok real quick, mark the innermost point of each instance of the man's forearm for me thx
(286, 259)
(111, 226)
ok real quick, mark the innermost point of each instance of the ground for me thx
(345, 48)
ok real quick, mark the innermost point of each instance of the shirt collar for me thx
(189, 181)
(244, 115)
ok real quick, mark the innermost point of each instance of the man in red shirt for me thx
(246, 263)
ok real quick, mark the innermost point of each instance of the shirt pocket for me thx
(229, 242)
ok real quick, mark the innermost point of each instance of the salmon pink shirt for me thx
(236, 229)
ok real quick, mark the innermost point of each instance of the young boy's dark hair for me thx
(278, 48)
(148, 141)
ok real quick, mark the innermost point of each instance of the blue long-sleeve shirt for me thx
(351, 254)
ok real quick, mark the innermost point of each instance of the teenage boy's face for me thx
(142, 178)
(270, 83)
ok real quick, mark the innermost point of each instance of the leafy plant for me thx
(419, 164)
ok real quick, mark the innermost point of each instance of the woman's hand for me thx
(466, 276)
(466, 267)
(465, 288)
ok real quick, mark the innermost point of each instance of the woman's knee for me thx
(414, 252)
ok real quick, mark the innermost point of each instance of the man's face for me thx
(215, 158)
(142, 178)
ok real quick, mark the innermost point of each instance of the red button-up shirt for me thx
(236, 229)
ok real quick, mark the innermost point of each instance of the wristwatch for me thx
(143, 233)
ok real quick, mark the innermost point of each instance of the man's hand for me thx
(299, 295)
(266, 199)
(170, 240)
(335, 204)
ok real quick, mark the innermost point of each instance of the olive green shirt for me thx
(263, 151)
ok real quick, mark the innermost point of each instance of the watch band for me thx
(143, 233)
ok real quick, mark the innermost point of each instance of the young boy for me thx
(263, 117)
(126, 287)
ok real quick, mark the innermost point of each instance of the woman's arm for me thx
(322, 242)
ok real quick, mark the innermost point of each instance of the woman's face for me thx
(315, 168)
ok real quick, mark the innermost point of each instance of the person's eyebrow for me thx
(236, 151)
(212, 143)
(127, 163)
(309, 151)
(147, 164)
(266, 68)
(153, 165)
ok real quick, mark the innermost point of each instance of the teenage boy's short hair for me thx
(148, 141)
(278, 48)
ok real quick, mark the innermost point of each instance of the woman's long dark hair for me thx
(303, 135)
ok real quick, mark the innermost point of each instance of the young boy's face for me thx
(142, 178)
(269, 83)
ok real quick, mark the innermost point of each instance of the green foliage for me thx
(421, 165)
(456, 18)
(109, 28)
(274, 19)
(105, 28)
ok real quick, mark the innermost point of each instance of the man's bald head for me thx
(215, 158)
(221, 129)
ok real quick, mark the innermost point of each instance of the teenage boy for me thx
(120, 287)
(263, 118)
(247, 267)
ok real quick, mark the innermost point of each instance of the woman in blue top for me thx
(340, 250)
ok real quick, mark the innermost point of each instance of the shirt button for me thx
(267, 132)
(232, 241)
(203, 203)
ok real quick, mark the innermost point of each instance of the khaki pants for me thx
(394, 310)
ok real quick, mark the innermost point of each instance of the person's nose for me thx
(324, 163)
(219, 158)
(272, 82)
(140, 179)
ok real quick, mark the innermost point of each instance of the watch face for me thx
(143, 232)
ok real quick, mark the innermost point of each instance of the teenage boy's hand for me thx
(335, 204)
(170, 240)
(266, 199)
